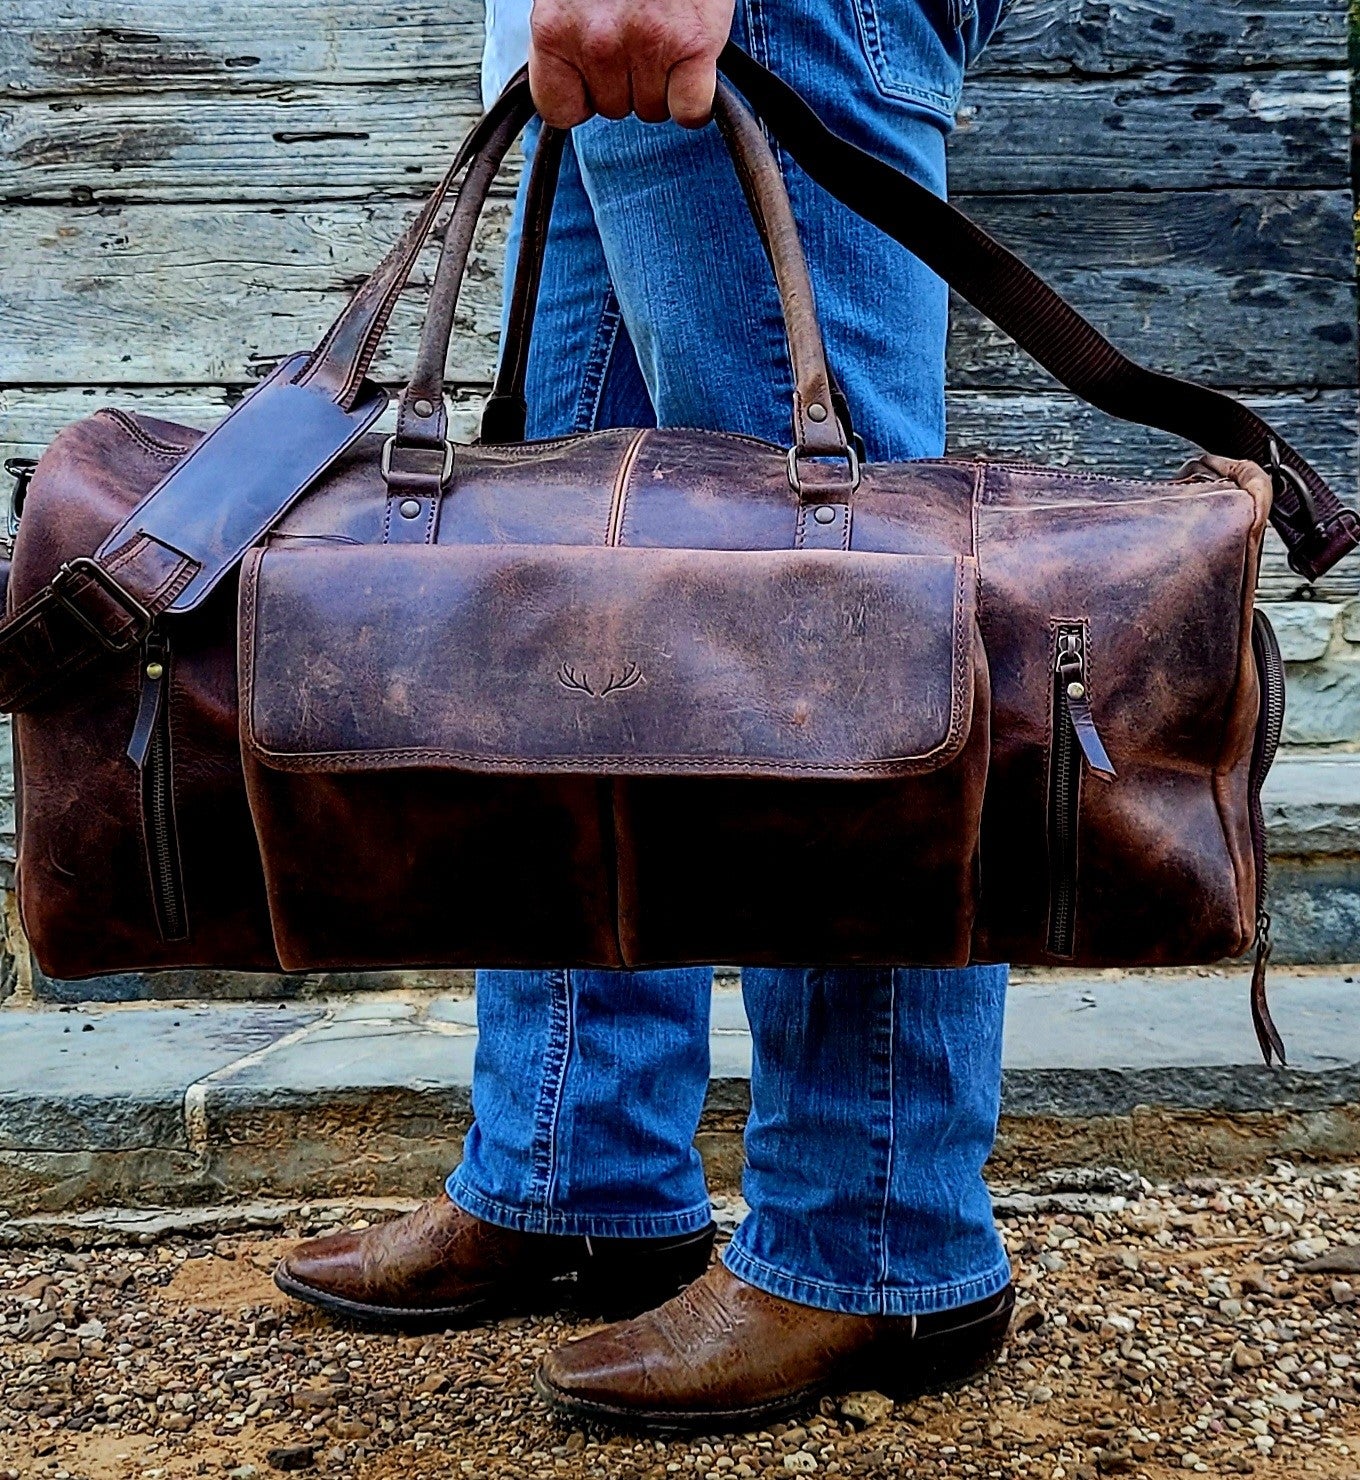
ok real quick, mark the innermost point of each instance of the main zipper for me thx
(149, 751)
(1270, 672)
(1075, 738)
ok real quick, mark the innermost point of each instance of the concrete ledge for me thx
(1312, 806)
(178, 1104)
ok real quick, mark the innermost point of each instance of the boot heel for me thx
(902, 1367)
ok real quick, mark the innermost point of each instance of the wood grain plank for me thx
(1116, 36)
(1050, 429)
(1160, 132)
(1233, 287)
(1165, 131)
(116, 45)
(165, 294)
(30, 416)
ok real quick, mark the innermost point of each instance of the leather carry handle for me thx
(422, 418)
(506, 412)
(340, 362)
(1316, 527)
(817, 429)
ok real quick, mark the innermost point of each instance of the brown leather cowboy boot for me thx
(439, 1267)
(723, 1356)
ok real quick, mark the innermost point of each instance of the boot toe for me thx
(599, 1369)
(324, 1266)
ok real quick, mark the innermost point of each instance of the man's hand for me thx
(655, 58)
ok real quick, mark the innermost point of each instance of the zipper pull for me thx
(155, 667)
(1267, 1034)
(1071, 670)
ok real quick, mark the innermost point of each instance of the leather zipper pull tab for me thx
(1267, 1034)
(155, 666)
(1071, 668)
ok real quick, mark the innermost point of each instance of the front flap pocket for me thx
(613, 661)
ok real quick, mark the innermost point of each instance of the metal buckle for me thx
(1280, 475)
(83, 565)
(851, 462)
(21, 469)
(386, 465)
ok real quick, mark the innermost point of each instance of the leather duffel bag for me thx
(293, 694)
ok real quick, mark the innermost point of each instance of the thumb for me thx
(689, 91)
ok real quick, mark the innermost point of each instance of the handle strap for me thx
(817, 431)
(1316, 527)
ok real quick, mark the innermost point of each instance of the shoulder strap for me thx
(1316, 527)
(191, 530)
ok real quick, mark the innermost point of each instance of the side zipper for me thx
(1074, 739)
(149, 751)
(1270, 674)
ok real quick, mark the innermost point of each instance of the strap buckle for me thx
(91, 570)
(796, 454)
(446, 472)
(21, 469)
(1282, 476)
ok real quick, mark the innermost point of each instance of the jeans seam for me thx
(597, 364)
(551, 1092)
(892, 1134)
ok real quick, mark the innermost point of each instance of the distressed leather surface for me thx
(541, 659)
(1163, 578)
(403, 865)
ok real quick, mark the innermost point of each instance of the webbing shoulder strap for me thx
(1316, 527)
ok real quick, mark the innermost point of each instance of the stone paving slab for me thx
(120, 1077)
(115, 1078)
(1103, 1046)
(1312, 806)
(361, 1045)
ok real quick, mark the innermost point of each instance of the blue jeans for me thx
(875, 1093)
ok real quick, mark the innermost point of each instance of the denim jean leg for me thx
(588, 1085)
(587, 1090)
(875, 1096)
(583, 372)
(874, 1092)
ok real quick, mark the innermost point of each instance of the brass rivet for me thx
(423, 408)
(410, 508)
(1076, 691)
(817, 412)
(824, 514)
(155, 670)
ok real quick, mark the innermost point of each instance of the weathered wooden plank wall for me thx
(190, 187)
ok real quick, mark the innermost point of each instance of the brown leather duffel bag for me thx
(293, 694)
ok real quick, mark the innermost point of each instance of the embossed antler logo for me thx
(616, 683)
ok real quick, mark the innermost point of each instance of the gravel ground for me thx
(1206, 1328)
